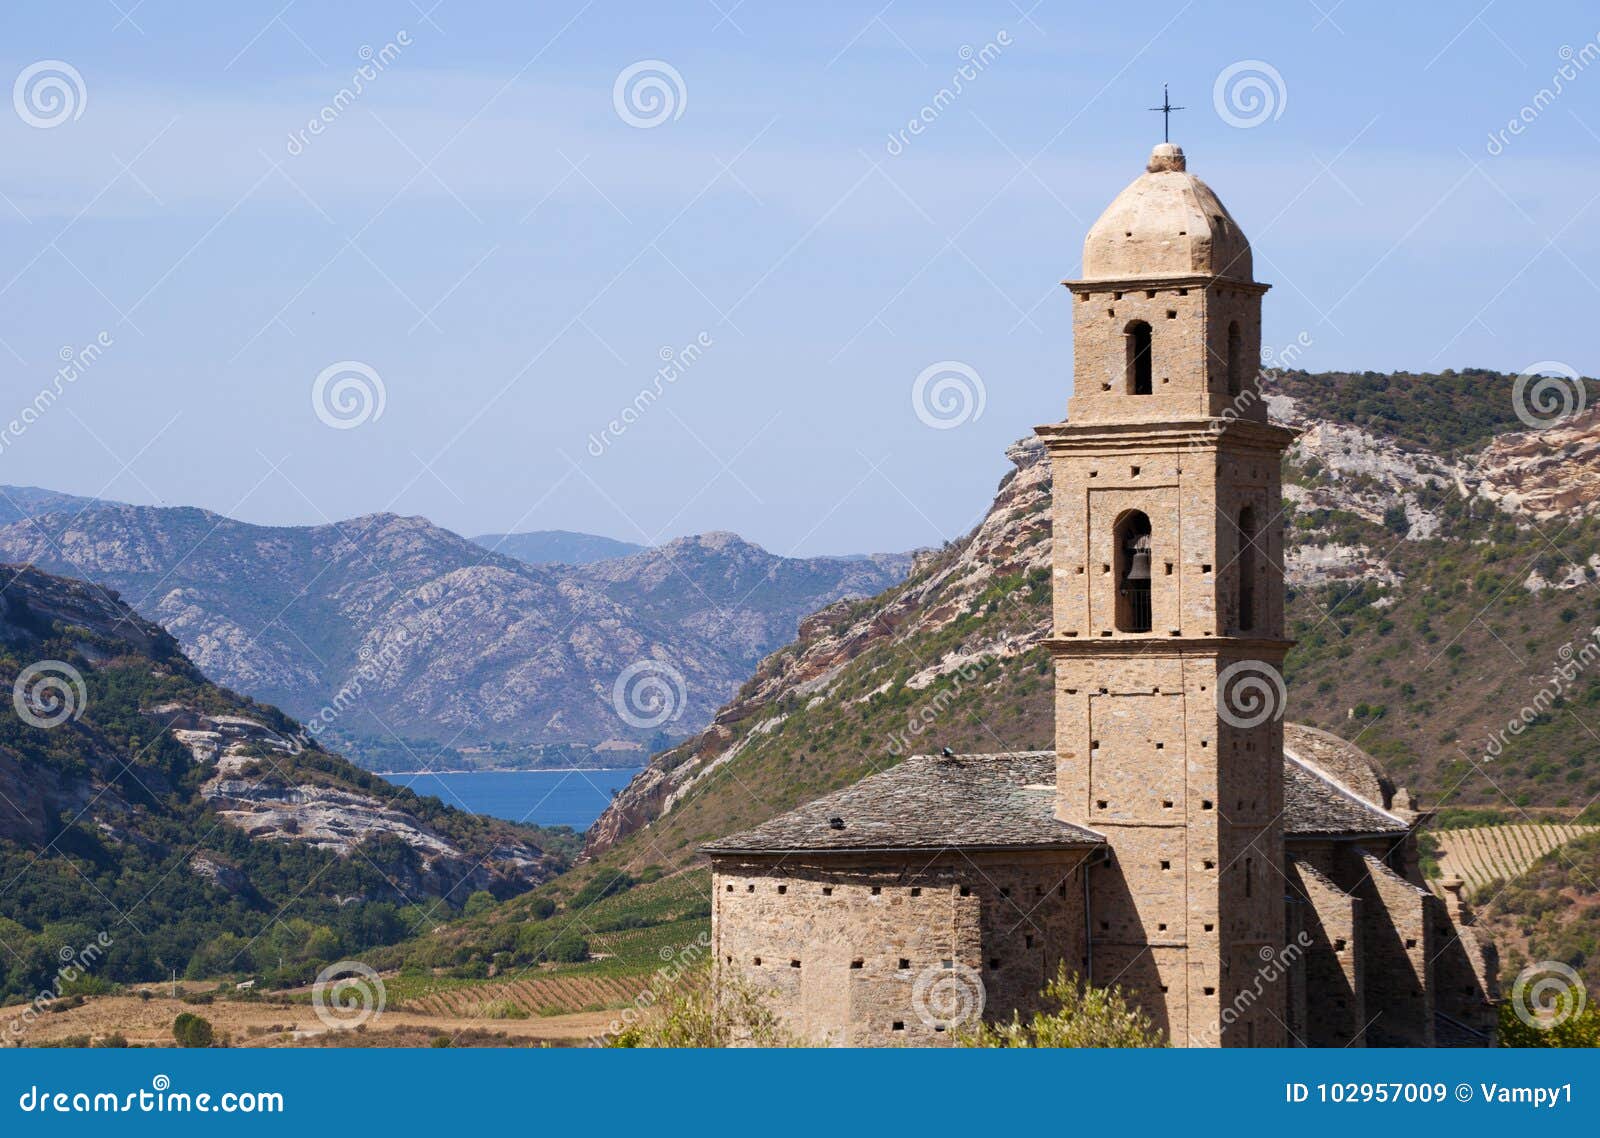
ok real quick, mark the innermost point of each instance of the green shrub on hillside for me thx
(191, 1030)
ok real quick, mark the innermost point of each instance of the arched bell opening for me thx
(1133, 559)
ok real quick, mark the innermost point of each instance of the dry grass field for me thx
(285, 1023)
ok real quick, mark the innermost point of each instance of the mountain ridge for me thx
(456, 650)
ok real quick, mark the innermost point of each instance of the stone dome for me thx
(1340, 760)
(1166, 223)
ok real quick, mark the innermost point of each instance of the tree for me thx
(191, 1030)
(1082, 1016)
(480, 902)
(568, 948)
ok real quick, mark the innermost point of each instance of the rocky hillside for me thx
(144, 801)
(1441, 564)
(1550, 912)
(720, 589)
(396, 638)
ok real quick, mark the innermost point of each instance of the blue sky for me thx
(485, 232)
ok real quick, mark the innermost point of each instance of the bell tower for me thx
(1168, 613)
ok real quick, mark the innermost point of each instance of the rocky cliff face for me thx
(114, 737)
(1365, 508)
(384, 625)
(1352, 471)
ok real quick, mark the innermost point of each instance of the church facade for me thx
(1248, 882)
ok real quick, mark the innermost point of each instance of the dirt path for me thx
(249, 1024)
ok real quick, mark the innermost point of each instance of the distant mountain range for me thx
(557, 546)
(410, 646)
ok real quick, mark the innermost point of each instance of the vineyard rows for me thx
(538, 995)
(1485, 853)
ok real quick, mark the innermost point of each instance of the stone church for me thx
(1250, 883)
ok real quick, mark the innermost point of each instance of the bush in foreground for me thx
(705, 1012)
(1082, 1016)
(1580, 1029)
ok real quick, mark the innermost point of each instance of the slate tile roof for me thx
(928, 802)
(1001, 801)
(1313, 805)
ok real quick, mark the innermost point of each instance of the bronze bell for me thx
(1139, 561)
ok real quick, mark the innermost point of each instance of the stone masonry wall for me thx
(1193, 488)
(1189, 322)
(1397, 940)
(872, 951)
(1334, 1008)
(1189, 806)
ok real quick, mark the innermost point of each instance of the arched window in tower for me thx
(1235, 359)
(1137, 335)
(1132, 537)
(1247, 569)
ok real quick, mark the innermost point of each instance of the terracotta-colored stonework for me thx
(1245, 890)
